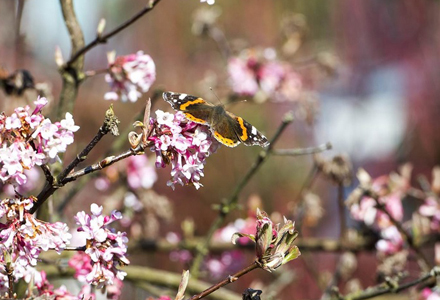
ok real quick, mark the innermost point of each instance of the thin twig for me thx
(309, 244)
(231, 202)
(101, 39)
(423, 261)
(391, 287)
(47, 173)
(302, 151)
(117, 146)
(80, 248)
(155, 276)
(100, 165)
(51, 187)
(219, 37)
(341, 207)
(226, 281)
(300, 212)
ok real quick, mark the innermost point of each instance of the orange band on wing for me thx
(243, 137)
(194, 119)
(225, 141)
(197, 101)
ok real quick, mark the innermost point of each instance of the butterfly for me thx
(226, 127)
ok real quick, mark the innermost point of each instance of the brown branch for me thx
(423, 261)
(226, 281)
(101, 165)
(231, 202)
(308, 244)
(302, 151)
(341, 208)
(70, 75)
(391, 287)
(101, 39)
(60, 180)
(138, 274)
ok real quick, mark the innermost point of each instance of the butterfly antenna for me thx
(216, 96)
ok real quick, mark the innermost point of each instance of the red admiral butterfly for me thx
(226, 127)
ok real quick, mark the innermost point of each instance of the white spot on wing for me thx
(182, 96)
(254, 130)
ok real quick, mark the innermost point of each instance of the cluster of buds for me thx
(183, 144)
(23, 238)
(27, 139)
(258, 73)
(129, 76)
(106, 249)
(274, 243)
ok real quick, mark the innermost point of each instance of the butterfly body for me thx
(226, 127)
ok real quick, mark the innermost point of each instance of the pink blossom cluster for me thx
(138, 170)
(23, 238)
(106, 249)
(129, 76)
(82, 264)
(259, 73)
(183, 144)
(431, 210)
(227, 263)
(28, 139)
(430, 294)
(390, 190)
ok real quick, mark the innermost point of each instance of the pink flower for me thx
(391, 241)
(105, 248)
(28, 139)
(431, 210)
(129, 76)
(140, 173)
(23, 237)
(428, 294)
(256, 72)
(183, 144)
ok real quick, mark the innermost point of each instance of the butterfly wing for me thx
(223, 131)
(195, 109)
(247, 133)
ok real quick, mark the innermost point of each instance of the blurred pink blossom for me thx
(129, 76)
(257, 72)
(431, 210)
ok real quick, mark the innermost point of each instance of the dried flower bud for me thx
(111, 121)
(338, 169)
(328, 63)
(134, 139)
(204, 19)
(348, 263)
(313, 210)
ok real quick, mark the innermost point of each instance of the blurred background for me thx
(372, 66)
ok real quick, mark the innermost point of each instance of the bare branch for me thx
(391, 287)
(302, 151)
(231, 202)
(103, 39)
